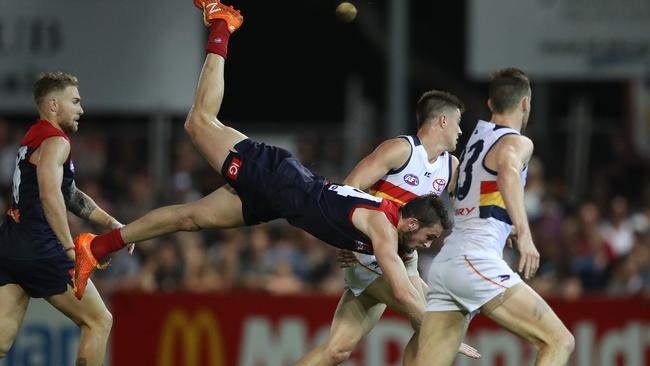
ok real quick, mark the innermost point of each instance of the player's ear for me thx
(525, 104)
(442, 119)
(52, 103)
(414, 224)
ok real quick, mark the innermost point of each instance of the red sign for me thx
(259, 330)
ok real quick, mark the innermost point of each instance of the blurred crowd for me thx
(600, 245)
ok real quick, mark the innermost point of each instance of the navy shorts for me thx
(43, 277)
(270, 182)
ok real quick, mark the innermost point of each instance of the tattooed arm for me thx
(84, 207)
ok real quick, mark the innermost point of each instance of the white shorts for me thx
(467, 283)
(359, 276)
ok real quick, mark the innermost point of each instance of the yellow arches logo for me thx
(194, 334)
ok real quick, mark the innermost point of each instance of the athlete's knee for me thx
(5, 345)
(101, 322)
(561, 341)
(197, 120)
(566, 342)
(187, 218)
(104, 321)
(191, 124)
(336, 354)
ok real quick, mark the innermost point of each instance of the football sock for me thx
(218, 39)
(107, 243)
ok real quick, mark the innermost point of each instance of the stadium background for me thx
(329, 91)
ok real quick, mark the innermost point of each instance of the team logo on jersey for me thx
(233, 169)
(411, 179)
(439, 185)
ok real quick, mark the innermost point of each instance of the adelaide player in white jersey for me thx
(400, 169)
(469, 274)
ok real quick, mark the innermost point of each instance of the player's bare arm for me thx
(82, 206)
(384, 241)
(390, 154)
(49, 160)
(512, 153)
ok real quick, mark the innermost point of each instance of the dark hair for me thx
(507, 87)
(428, 210)
(434, 102)
(52, 81)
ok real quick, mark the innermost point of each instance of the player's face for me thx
(453, 129)
(69, 109)
(420, 238)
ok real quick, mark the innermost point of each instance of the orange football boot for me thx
(85, 263)
(213, 9)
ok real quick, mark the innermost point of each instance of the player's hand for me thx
(528, 256)
(346, 258)
(468, 351)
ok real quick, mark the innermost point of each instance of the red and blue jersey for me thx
(25, 233)
(330, 219)
(272, 184)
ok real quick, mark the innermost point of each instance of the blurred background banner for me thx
(577, 39)
(258, 330)
(130, 56)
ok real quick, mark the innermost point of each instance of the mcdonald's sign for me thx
(195, 338)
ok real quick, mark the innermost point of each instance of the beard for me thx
(402, 240)
(69, 127)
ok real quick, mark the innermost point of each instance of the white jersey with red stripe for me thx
(481, 222)
(416, 177)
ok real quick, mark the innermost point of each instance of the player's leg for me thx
(219, 210)
(381, 291)
(12, 312)
(92, 317)
(441, 334)
(213, 139)
(522, 311)
(353, 319)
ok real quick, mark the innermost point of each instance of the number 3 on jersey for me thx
(22, 152)
(465, 169)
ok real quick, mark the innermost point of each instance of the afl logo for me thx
(411, 180)
(439, 185)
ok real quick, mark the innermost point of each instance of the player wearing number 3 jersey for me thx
(469, 274)
(267, 183)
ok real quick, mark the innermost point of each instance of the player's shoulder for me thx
(516, 140)
(41, 131)
(394, 152)
(516, 143)
(397, 145)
